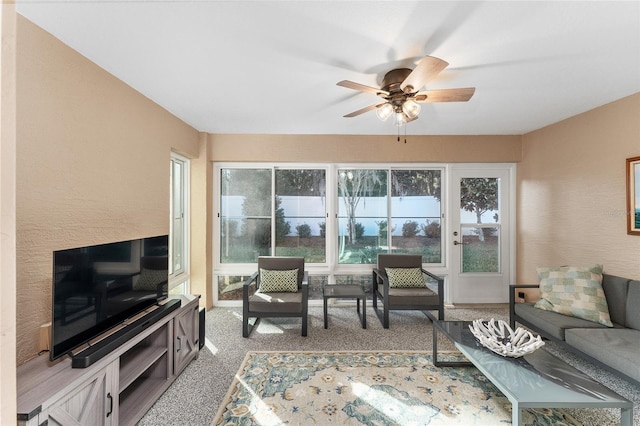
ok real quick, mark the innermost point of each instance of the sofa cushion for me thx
(412, 297)
(618, 348)
(615, 290)
(632, 317)
(278, 281)
(551, 323)
(575, 291)
(276, 302)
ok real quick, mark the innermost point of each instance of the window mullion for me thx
(389, 213)
(273, 211)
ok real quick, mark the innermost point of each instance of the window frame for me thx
(357, 269)
(331, 267)
(217, 214)
(326, 170)
(179, 279)
(273, 167)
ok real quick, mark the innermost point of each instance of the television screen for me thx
(98, 287)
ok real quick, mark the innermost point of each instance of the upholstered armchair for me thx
(282, 290)
(399, 283)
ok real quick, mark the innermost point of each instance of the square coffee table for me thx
(536, 380)
(345, 291)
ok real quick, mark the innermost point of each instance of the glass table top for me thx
(537, 378)
(343, 290)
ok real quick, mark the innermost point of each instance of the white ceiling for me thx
(272, 66)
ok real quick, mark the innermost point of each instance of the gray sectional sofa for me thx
(617, 349)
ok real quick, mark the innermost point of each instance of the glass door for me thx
(480, 237)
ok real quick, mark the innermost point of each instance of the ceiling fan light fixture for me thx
(411, 109)
(384, 112)
(400, 118)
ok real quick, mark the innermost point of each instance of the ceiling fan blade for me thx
(428, 68)
(363, 110)
(445, 95)
(361, 87)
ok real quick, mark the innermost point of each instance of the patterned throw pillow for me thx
(574, 291)
(405, 277)
(277, 281)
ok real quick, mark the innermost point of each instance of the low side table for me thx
(345, 291)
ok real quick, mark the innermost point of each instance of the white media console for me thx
(117, 389)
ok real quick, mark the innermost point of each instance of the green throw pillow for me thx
(405, 277)
(278, 281)
(574, 291)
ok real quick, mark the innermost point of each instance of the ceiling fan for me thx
(400, 91)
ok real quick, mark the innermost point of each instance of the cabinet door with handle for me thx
(185, 344)
(94, 402)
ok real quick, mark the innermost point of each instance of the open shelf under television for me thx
(143, 370)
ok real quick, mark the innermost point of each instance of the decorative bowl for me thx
(501, 339)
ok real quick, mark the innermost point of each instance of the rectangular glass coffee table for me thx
(536, 380)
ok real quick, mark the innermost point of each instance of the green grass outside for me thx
(480, 257)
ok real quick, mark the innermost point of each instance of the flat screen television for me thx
(97, 288)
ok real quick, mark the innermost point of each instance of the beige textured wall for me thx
(364, 149)
(8, 215)
(92, 166)
(201, 225)
(571, 206)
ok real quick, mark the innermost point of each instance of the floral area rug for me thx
(364, 387)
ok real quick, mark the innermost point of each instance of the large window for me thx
(416, 213)
(362, 215)
(337, 218)
(301, 214)
(245, 214)
(388, 211)
(250, 215)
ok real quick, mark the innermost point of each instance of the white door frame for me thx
(455, 288)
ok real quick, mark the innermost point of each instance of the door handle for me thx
(110, 398)
(458, 243)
